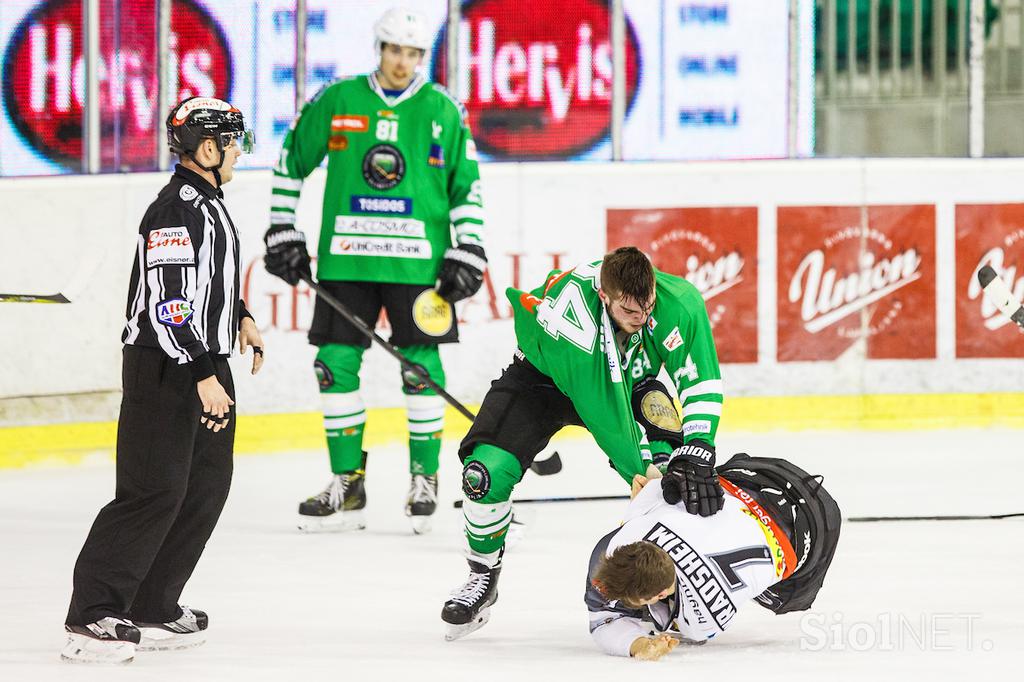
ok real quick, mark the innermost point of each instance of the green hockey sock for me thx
(424, 411)
(337, 371)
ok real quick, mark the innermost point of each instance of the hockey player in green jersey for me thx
(591, 343)
(401, 173)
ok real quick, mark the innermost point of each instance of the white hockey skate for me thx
(338, 508)
(109, 640)
(186, 632)
(421, 503)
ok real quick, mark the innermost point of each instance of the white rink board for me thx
(77, 235)
(366, 607)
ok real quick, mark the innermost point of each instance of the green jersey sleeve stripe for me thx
(285, 192)
(466, 211)
(705, 407)
(283, 182)
(279, 201)
(709, 387)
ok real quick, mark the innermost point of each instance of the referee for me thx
(176, 430)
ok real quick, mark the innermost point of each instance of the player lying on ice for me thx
(667, 575)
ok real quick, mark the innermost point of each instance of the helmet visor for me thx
(246, 140)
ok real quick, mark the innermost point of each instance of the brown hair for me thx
(628, 272)
(634, 572)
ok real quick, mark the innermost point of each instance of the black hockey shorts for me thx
(799, 503)
(417, 317)
(522, 410)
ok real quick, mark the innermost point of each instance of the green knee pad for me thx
(337, 372)
(488, 477)
(490, 474)
(427, 357)
(425, 410)
(337, 368)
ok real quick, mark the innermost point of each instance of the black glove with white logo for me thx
(462, 272)
(691, 479)
(286, 257)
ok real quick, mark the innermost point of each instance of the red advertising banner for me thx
(851, 273)
(713, 248)
(988, 234)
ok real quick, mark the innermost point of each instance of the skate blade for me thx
(421, 525)
(454, 632)
(82, 649)
(335, 523)
(155, 639)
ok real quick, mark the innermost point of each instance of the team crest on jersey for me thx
(173, 312)
(383, 166)
(432, 314)
(436, 158)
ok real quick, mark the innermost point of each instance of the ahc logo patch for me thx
(174, 312)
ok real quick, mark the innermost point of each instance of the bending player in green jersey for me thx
(591, 343)
(401, 173)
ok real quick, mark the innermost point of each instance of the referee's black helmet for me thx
(198, 118)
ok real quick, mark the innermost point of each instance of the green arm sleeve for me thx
(686, 346)
(304, 148)
(466, 204)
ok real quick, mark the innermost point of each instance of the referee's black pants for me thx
(173, 476)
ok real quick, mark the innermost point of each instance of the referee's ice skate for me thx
(108, 640)
(185, 632)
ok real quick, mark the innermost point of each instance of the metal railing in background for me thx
(893, 77)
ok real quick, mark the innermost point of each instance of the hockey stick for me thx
(546, 467)
(33, 298)
(999, 293)
(851, 519)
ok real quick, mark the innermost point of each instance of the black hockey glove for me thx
(691, 479)
(462, 272)
(286, 257)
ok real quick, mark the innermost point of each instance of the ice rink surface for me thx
(907, 600)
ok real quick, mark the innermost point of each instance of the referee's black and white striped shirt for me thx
(184, 292)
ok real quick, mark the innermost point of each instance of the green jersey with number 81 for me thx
(400, 172)
(565, 331)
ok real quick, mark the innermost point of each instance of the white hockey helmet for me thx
(400, 26)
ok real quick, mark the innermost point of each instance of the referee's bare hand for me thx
(216, 403)
(249, 335)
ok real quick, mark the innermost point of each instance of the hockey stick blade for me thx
(33, 298)
(999, 293)
(547, 467)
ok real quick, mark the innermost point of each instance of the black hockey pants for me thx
(173, 476)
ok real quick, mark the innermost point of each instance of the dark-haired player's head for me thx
(636, 574)
(627, 287)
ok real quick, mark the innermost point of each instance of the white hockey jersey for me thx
(721, 561)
